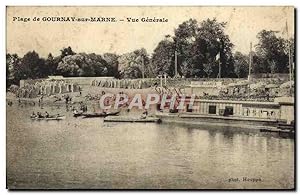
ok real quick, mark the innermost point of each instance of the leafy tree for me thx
(185, 36)
(208, 69)
(271, 50)
(257, 64)
(50, 67)
(31, 66)
(67, 51)
(241, 65)
(95, 65)
(70, 65)
(291, 44)
(13, 62)
(163, 57)
(128, 66)
(56, 61)
(186, 69)
(83, 64)
(135, 64)
(132, 71)
(212, 41)
(112, 64)
(196, 44)
(273, 67)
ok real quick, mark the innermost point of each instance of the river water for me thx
(87, 153)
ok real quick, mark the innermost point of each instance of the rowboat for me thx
(48, 118)
(93, 115)
(77, 114)
(132, 119)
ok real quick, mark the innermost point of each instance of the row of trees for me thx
(68, 63)
(200, 48)
(271, 55)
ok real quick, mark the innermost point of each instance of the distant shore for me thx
(88, 95)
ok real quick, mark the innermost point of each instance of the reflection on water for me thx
(87, 153)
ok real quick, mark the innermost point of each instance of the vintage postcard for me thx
(150, 97)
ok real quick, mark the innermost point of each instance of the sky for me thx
(243, 24)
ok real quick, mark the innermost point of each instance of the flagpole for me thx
(290, 66)
(175, 64)
(220, 46)
(250, 61)
(289, 52)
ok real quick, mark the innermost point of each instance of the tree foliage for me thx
(163, 57)
(31, 66)
(112, 64)
(13, 75)
(200, 47)
(83, 64)
(197, 45)
(135, 64)
(241, 64)
(271, 52)
(68, 63)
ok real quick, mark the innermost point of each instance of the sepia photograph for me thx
(150, 97)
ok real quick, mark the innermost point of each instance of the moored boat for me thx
(233, 113)
(103, 114)
(77, 114)
(48, 118)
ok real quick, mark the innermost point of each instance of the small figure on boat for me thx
(144, 114)
(33, 115)
(46, 114)
(39, 115)
(77, 113)
(82, 107)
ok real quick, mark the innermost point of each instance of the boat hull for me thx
(222, 121)
(49, 119)
(95, 115)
